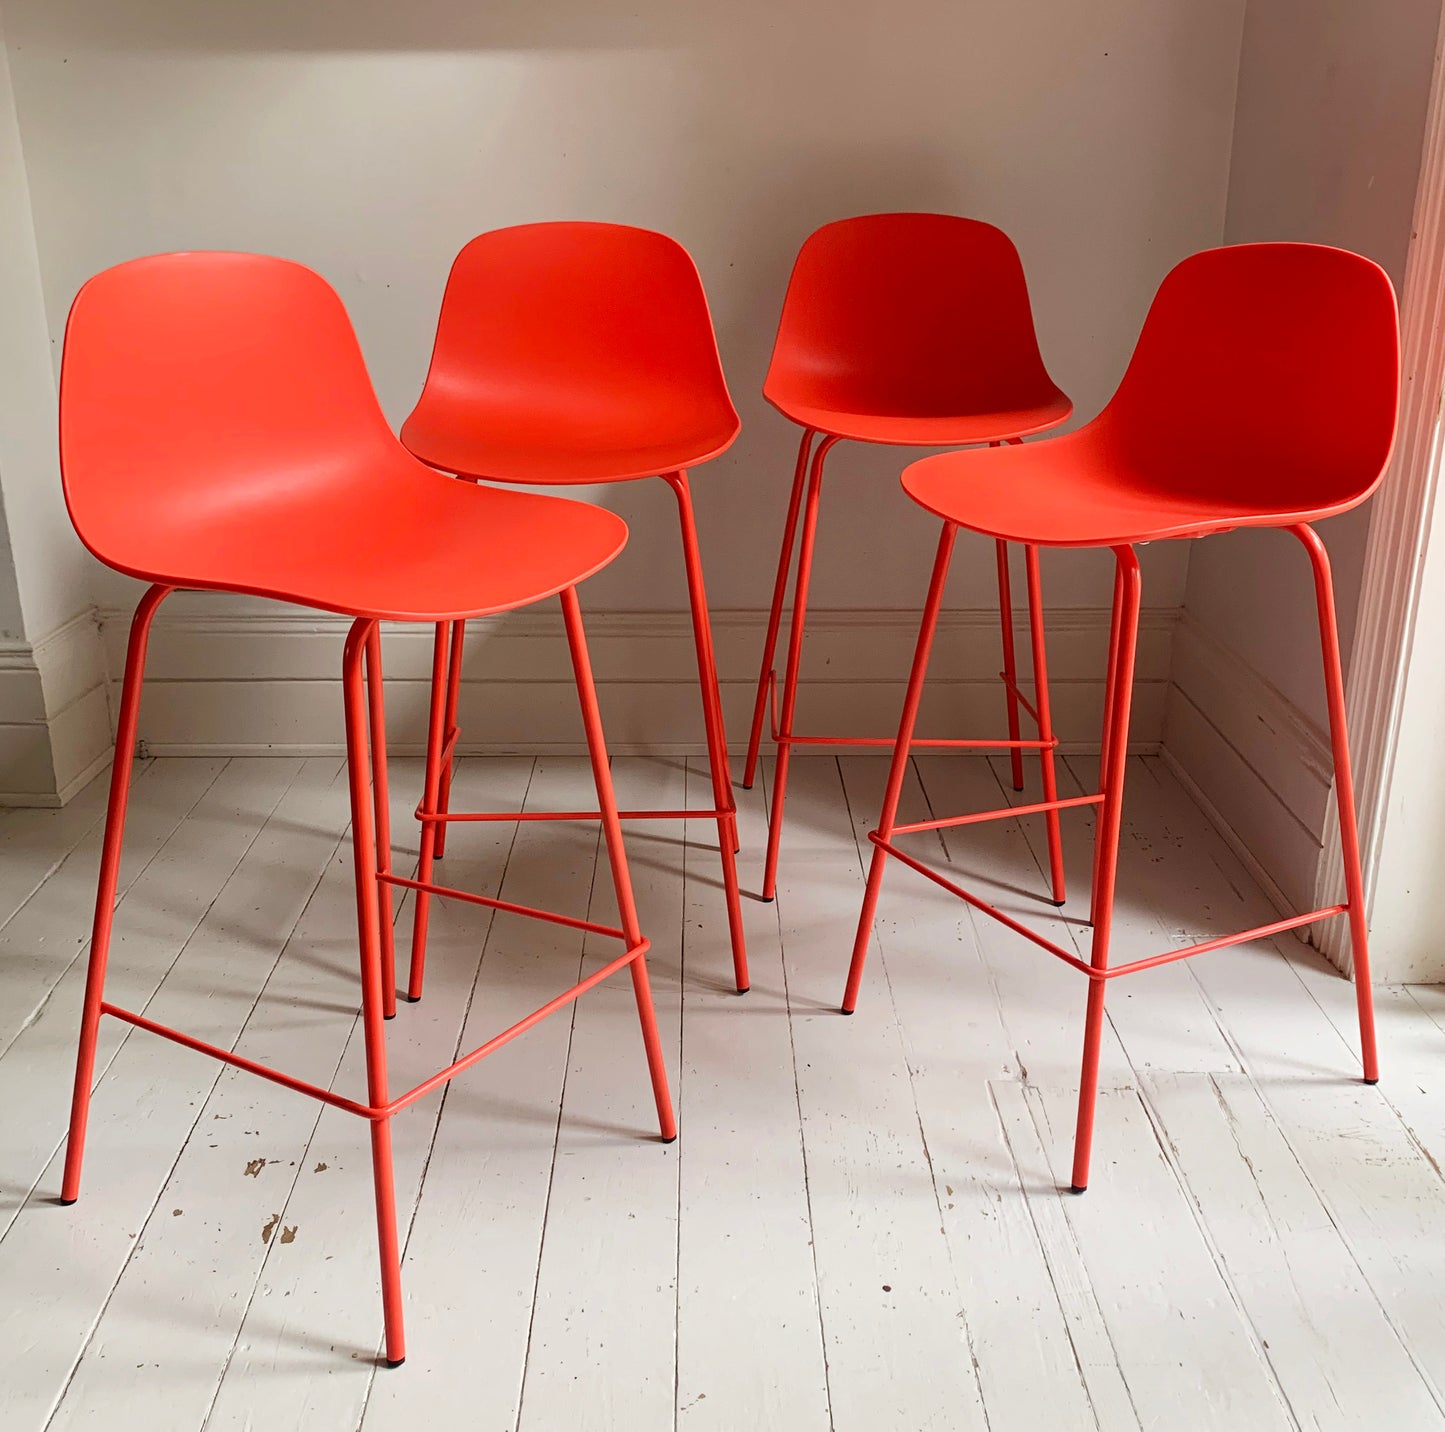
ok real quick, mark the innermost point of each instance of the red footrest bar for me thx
(382, 1111)
(510, 816)
(1016, 926)
(948, 822)
(492, 903)
(1168, 957)
(1010, 745)
(916, 741)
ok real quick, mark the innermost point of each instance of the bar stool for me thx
(1262, 393)
(912, 330)
(578, 353)
(218, 431)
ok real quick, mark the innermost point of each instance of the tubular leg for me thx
(454, 683)
(1106, 834)
(431, 793)
(363, 847)
(1109, 680)
(717, 743)
(1010, 666)
(795, 652)
(617, 857)
(899, 768)
(1046, 725)
(120, 770)
(381, 799)
(775, 615)
(1344, 796)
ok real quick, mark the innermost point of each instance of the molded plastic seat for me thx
(904, 329)
(570, 353)
(1221, 419)
(911, 329)
(218, 429)
(583, 353)
(1263, 392)
(311, 499)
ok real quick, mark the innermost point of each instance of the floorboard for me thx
(943, 998)
(862, 1227)
(749, 1342)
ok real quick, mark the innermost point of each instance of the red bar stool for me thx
(218, 430)
(577, 353)
(1262, 393)
(912, 330)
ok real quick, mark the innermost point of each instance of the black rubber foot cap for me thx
(1372, 1082)
(66, 1202)
(412, 998)
(672, 1140)
(845, 1011)
(392, 1015)
(767, 899)
(1078, 1187)
(1057, 904)
(747, 785)
(395, 1361)
(743, 990)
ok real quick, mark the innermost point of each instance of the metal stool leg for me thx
(382, 801)
(767, 674)
(454, 684)
(795, 653)
(363, 846)
(120, 771)
(717, 743)
(1110, 679)
(1046, 723)
(431, 794)
(617, 858)
(1010, 663)
(1106, 834)
(1344, 797)
(899, 767)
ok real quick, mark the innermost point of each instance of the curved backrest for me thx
(1268, 369)
(892, 313)
(577, 317)
(194, 383)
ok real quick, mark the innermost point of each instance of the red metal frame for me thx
(804, 501)
(1123, 643)
(458, 637)
(434, 810)
(366, 764)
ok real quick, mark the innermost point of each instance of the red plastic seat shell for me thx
(911, 329)
(218, 430)
(572, 352)
(1262, 392)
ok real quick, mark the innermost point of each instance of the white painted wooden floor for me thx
(861, 1225)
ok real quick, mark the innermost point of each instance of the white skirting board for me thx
(224, 680)
(56, 730)
(229, 678)
(1257, 765)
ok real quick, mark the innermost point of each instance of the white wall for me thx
(54, 723)
(1331, 114)
(372, 139)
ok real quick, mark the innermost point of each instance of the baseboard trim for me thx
(679, 750)
(1228, 834)
(1252, 758)
(227, 678)
(57, 730)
